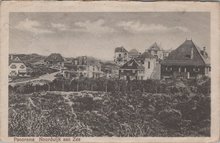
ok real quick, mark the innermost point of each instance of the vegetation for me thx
(127, 109)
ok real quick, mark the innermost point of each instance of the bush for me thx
(128, 109)
(170, 117)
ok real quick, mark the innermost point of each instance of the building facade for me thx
(121, 56)
(148, 61)
(139, 68)
(88, 67)
(156, 51)
(187, 61)
(132, 70)
(17, 67)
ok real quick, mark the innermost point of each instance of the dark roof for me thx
(142, 57)
(147, 55)
(93, 61)
(132, 64)
(110, 65)
(133, 52)
(120, 49)
(86, 60)
(186, 54)
(14, 59)
(154, 47)
(54, 57)
(70, 66)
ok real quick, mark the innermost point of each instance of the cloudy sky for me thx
(97, 34)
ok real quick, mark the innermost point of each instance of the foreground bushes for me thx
(174, 109)
(116, 85)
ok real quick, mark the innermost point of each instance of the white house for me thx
(156, 51)
(121, 56)
(149, 63)
(17, 67)
(88, 67)
(139, 68)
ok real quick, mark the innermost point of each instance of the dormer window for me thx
(13, 66)
(188, 56)
(196, 69)
(22, 67)
(148, 65)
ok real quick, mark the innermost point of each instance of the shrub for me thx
(170, 117)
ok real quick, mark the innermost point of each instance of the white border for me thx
(113, 6)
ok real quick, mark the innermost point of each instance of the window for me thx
(22, 67)
(188, 56)
(13, 66)
(13, 73)
(130, 64)
(196, 69)
(119, 55)
(148, 64)
(76, 62)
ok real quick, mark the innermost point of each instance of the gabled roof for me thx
(15, 59)
(154, 47)
(120, 49)
(132, 64)
(54, 57)
(186, 54)
(147, 55)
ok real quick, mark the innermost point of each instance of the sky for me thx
(97, 34)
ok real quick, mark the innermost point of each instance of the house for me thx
(156, 51)
(148, 61)
(166, 53)
(69, 70)
(17, 67)
(87, 67)
(187, 61)
(55, 60)
(132, 70)
(110, 70)
(141, 67)
(121, 56)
